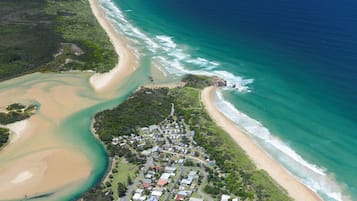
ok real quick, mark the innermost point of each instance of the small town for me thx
(173, 166)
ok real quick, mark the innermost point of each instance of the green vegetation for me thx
(121, 173)
(140, 109)
(149, 106)
(15, 106)
(242, 178)
(4, 136)
(76, 25)
(16, 112)
(48, 35)
(201, 81)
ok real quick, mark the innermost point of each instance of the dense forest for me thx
(48, 35)
(139, 110)
(150, 106)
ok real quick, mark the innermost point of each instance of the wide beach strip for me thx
(295, 189)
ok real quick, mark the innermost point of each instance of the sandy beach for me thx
(127, 61)
(296, 190)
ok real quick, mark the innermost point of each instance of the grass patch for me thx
(120, 175)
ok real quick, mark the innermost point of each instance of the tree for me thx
(122, 189)
(130, 181)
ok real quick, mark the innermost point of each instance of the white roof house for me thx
(156, 193)
(186, 181)
(165, 176)
(153, 128)
(138, 197)
(225, 197)
(170, 169)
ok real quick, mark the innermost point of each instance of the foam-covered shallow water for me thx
(293, 104)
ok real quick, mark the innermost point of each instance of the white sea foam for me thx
(175, 60)
(311, 175)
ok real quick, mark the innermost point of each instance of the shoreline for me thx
(127, 63)
(295, 188)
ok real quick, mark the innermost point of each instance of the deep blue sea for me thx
(294, 64)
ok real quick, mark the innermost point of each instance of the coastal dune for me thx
(295, 189)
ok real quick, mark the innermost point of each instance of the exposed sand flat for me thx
(41, 172)
(38, 159)
(296, 190)
(127, 61)
(17, 129)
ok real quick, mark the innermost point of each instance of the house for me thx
(152, 198)
(155, 149)
(162, 182)
(139, 190)
(115, 141)
(225, 197)
(146, 183)
(165, 176)
(186, 182)
(192, 174)
(157, 168)
(148, 176)
(156, 193)
(139, 197)
(179, 197)
(153, 128)
(170, 169)
(145, 130)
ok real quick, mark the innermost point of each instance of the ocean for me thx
(293, 65)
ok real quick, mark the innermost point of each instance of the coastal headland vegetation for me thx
(48, 35)
(237, 175)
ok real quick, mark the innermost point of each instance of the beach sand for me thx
(38, 158)
(295, 189)
(127, 62)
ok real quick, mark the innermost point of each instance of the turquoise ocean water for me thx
(293, 65)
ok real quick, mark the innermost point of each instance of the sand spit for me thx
(296, 190)
(127, 61)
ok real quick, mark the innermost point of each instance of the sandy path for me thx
(296, 190)
(127, 61)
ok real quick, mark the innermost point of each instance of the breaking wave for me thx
(175, 60)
